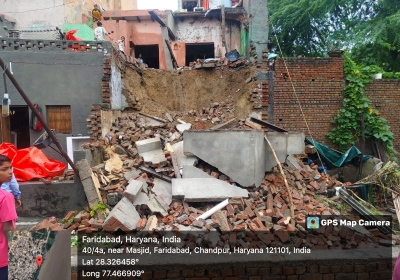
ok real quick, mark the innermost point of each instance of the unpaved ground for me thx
(176, 92)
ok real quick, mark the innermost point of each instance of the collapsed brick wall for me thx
(319, 84)
(385, 95)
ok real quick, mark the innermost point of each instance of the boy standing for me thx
(8, 215)
(100, 32)
(121, 44)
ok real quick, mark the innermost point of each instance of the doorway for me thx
(19, 126)
(199, 51)
(150, 55)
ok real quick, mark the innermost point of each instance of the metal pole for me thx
(38, 116)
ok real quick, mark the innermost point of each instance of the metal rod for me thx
(38, 116)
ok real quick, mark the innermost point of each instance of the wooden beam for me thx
(174, 62)
(223, 28)
(138, 19)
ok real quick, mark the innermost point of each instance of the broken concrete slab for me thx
(148, 145)
(90, 182)
(283, 143)
(204, 189)
(182, 159)
(145, 185)
(182, 127)
(123, 216)
(163, 189)
(151, 121)
(134, 173)
(141, 199)
(230, 151)
(133, 189)
(292, 162)
(190, 171)
(237, 154)
(155, 207)
(154, 157)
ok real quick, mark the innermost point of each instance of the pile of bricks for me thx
(131, 127)
(265, 216)
(222, 63)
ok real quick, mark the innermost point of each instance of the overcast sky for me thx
(158, 4)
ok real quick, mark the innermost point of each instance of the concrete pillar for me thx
(258, 15)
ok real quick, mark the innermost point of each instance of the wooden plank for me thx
(175, 63)
(90, 182)
(5, 130)
(269, 125)
(219, 126)
(155, 174)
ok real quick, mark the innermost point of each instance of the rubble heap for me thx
(138, 201)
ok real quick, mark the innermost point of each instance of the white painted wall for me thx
(205, 30)
(38, 14)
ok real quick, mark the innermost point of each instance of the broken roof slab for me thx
(237, 154)
(244, 156)
(205, 189)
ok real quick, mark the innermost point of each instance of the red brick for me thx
(264, 271)
(147, 275)
(276, 270)
(300, 270)
(188, 272)
(288, 270)
(226, 272)
(173, 273)
(324, 269)
(329, 276)
(347, 268)
(239, 271)
(382, 266)
(336, 269)
(252, 271)
(312, 268)
(198, 273)
(213, 273)
(161, 274)
(363, 276)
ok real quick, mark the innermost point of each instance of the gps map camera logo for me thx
(312, 222)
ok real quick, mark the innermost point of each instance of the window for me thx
(59, 118)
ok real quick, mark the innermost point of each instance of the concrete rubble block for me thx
(123, 216)
(151, 223)
(148, 145)
(133, 189)
(134, 173)
(141, 199)
(150, 121)
(163, 189)
(145, 185)
(183, 126)
(181, 157)
(190, 171)
(204, 189)
(155, 157)
(155, 207)
(284, 144)
(90, 182)
(292, 162)
(238, 154)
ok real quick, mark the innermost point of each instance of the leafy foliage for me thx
(99, 207)
(356, 106)
(368, 29)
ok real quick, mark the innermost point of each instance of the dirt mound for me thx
(161, 91)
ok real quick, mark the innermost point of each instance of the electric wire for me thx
(297, 98)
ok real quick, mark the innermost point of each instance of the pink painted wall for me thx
(179, 50)
(145, 32)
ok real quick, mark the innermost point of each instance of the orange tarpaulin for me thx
(31, 163)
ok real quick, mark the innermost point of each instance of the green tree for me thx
(369, 29)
